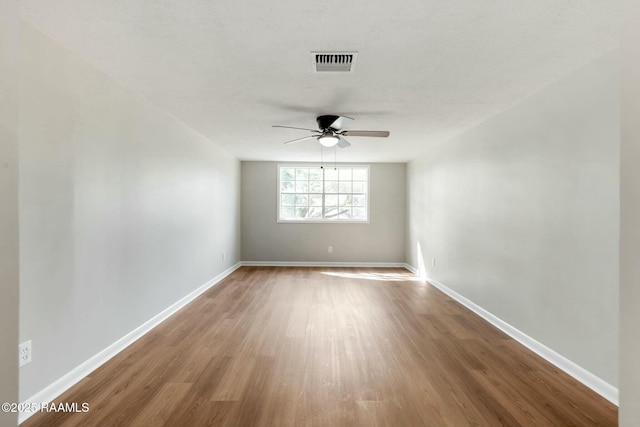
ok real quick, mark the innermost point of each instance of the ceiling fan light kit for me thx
(328, 140)
(330, 131)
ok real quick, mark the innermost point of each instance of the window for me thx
(329, 194)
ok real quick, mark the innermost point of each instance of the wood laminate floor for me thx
(328, 347)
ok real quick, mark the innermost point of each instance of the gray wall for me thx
(630, 221)
(381, 240)
(9, 43)
(522, 212)
(124, 210)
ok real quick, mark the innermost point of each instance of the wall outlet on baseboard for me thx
(24, 353)
(330, 249)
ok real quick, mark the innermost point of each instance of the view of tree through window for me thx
(311, 193)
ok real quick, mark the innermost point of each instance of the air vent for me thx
(334, 62)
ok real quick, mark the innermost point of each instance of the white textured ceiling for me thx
(427, 70)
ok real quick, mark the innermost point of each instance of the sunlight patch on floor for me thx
(384, 277)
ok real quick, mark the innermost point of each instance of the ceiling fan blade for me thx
(291, 127)
(340, 122)
(343, 143)
(301, 139)
(371, 133)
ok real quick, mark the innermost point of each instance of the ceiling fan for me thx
(330, 131)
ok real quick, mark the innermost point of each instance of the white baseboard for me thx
(55, 389)
(592, 381)
(411, 268)
(323, 264)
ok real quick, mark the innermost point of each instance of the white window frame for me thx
(323, 220)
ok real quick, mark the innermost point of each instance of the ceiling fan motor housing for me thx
(324, 122)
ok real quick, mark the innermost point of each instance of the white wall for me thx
(381, 240)
(630, 221)
(9, 44)
(124, 210)
(521, 215)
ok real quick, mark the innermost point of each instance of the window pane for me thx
(287, 213)
(287, 174)
(315, 200)
(331, 213)
(315, 186)
(359, 201)
(360, 174)
(345, 174)
(344, 200)
(331, 186)
(330, 174)
(330, 200)
(345, 213)
(287, 186)
(301, 213)
(359, 187)
(302, 186)
(302, 200)
(315, 173)
(302, 173)
(359, 213)
(288, 200)
(345, 187)
(315, 212)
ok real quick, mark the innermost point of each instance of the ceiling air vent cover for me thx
(334, 62)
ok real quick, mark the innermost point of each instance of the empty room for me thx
(319, 213)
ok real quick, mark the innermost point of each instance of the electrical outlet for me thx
(223, 255)
(330, 249)
(24, 353)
